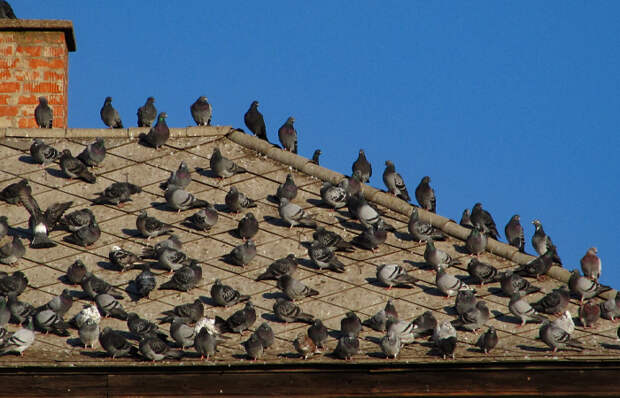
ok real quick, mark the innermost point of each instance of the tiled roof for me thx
(355, 289)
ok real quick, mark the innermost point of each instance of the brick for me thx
(43, 63)
(9, 87)
(8, 110)
(7, 37)
(21, 75)
(28, 100)
(5, 74)
(56, 100)
(43, 87)
(54, 51)
(10, 63)
(33, 51)
(4, 99)
(7, 50)
(53, 76)
(27, 123)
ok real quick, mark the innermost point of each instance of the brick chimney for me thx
(34, 62)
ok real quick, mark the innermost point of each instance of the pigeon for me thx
(591, 264)
(350, 325)
(6, 11)
(331, 239)
(76, 272)
(74, 168)
(109, 115)
(155, 349)
(12, 250)
(484, 221)
(283, 266)
(444, 339)
(193, 311)
(182, 333)
(41, 224)
(514, 283)
(108, 306)
(159, 134)
(201, 111)
(589, 314)
(565, 322)
(347, 347)
(514, 233)
(5, 314)
(294, 289)
(294, 215)
(394, 182)
(288, 135)
(123, 259)
(476, 242)
(584, 287)
(304, 345)
(43, 113)
(94, 153)
(287, 189)
(265, 335)
(14, 283)
(179, 199)
(19, 341)
(236, 200)
(488, 340)
(60, 304)
(89, 333)
(448, 284)
(379, 321)
(436, 257)
(4, 227)
(181, 177)
(334, 196)
(242, 255)
(422, 231)
(253, 347)
(225, 295)
(538, 266)
(150, 227)
(85, 236)
(554, 302)
(390, 345)
(287, 312)
(315, 157)
(94, 286)
(172, 259)
(475, 318)
(222, 166)
(145, 282)
(523, 310)
(466, 219)
(117, 193)
(240, 320)
(142, 328)
(365, 213)
(362, 167)
(424, 324)
(247, 227)
(405, 330)
(395, 275)
(318, 333)
(465, 301)
(610, 309)
(205, 343)
(204, 219)
(20, 310)
(425, 195)
(371, 238)
(352, 185)
(254, 121)
(89, 313)
(173, 242)
(48, 321)
(557, 338)
(13, 193)
(185, 278)
(325, 257)
(147, 113)
(542, 242)
(482, 272)
(78, 219)
(115, 344)
(42, 153)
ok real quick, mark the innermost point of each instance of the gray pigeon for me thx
(514, 283)
(185, 278)
(365, 213)
(123, 259)
(318, 333)
(240, 320)
(150, 227)
(448, 284)
(94, 153)
(14, 283)
(193, 311)
(315, 157)
(265, 334)
(288, 312)
(225, 295)
(334, 196)
(488, 340)
(425, 195)
(324, 257)
(538, 266)
(424, 324)
(304, 345)
(482, 272)
(12, 250)
(89, 333)
(43, 114)
(204, 219)
(201, 111)
(182, 333)
(49, 321)
(390, 345)
(93, 286)
(110, 116)
(85, 236)
(422, 231)
(13, 193)
(331, 239)
(465, 300)
(222, 166)
(117, 193)
(584, 287)
(19, 341)
(159, 134)
(591, 264)
(542, 242)
(42, 153)
(279, 268)
(294, 289)
(350, 325)
(236, 200)
(436, 257)
(74, 168)
(109, 306)
(20, 310)
(288, 135)
(352, 185)
(476, 242)
(287, 189)
(155, 349)
(475, 318)
(60, 304)
(76, 272)
(254, 121)
(362, 167)
(145, 282)
(142, 328)
(557, 338)
(466, 219)
(523, 310)
(205, 343)
(294, 215)
(247, 227)
(181, 177)
(172, 259)
(444, 338)
(4, 227)
(5, 314)
(147, 113)
(371, 238)
(78, 219)
(395, 275)
(610, 309)
(483, 219)
(347, 347)
(242, 255)
(380, 320)
(253, 347)
(555, 302)
(115, 344)
(179, 199)
(394, 182)
(514, 233)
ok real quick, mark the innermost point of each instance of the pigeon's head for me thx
(66, 152)
(290, 120)
(516, 217)
(150, 100)
(593, 250)
(389, 163)
(116, 248)
(202, 99)
(536, 223)
(163, 115)
(291, 256)
(254, 104)
(218, 282)
(183, 165)
(216, 151)
(362, 152)
(478, 206)
(318, 323)
(108, 100)
(426, 180)
(42, 100)
(38, 141)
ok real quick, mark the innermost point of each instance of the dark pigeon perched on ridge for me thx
(117, 193)
(288, 135)
(201, 111)
(6, 12)
(43, 114)
(94, 153)
(514, 233)
(315, 157)
(394, 182)
(425, 195)
(254, 121)
(147, 113)
(74, 168)
(109, 115)
(362, 167)
(42, 153)
(542, 242)
(159, 134)
(484, 220)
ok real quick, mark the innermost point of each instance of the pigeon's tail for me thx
(373, 324)
(345, 246)
(307, 222)
(221, 325)
(148, 252)
(539, 318)
(238, 169)
(404, 195)
(251, 203)
(556, 259)
(265, 276)
(243, 298)
(41, 241)
(88, 177)
(303, 317)
(336, 265)
(61, 329)
(170, 285)
(119, 124)
(119, 313)
(198, 203)
(407, 279)
(174, 354)
(388, 227)
(437, 235)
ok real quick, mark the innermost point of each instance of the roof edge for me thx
(45, 25)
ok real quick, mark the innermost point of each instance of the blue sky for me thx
(512, 104)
